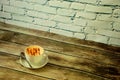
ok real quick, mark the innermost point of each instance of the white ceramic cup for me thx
(35, 57)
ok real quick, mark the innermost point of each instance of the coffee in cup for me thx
(33, 57)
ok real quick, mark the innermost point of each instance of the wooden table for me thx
(69, 58)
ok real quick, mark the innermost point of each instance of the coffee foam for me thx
(34, 50)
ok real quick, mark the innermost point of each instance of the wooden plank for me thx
(3, 35)
(83, 64)
(9, 74)
(50, 71)
(82, 43)
(110, 58)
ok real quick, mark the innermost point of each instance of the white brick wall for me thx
(44, 22)
(109, 33)
(22, 18)
(61, 32)
(79, 35)
(116, 25)
(78, 6)
(5, 15)
(70, 27)
(37, 14)
(105, 17)
(2, 20)
(89, 30)
(62, 19)
(38, 27)
(28, 25)
(0, 7)
(37, 1)
(45, 9)
(80, 22)
(114, 41)
(4, 1)
(12, 9)
(57, 3)
(22, 24)
(100, 24)
(97, 38)
(99, 9)
(95, 20)
(116, 13)
(86, 15)
(21, 4)
(87, 1)
(110, 2)
(65, 12)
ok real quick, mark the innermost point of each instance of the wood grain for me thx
(38, 33)
(49, 71)
(104, 57)
(9, 74)
(89, 57)
(83, 64)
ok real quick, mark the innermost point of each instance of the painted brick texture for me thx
(13, 10)
(95, 20)
(98, 9)
(4, 1)
(0, 7)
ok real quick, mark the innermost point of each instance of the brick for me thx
(38, 27)
(79, 35)
(87, 1)
(99, 9)
(116, 25)
(45, 22)
(65, 12)
(45, 9)
(109, 33)
(37, 14)
(100, 24)
(116, 19)
(89, 30)
(70, 27)
(5, 15)
(0, 7)
(27, 25)
(61, 32)
(97, 38)
(57, 3)
(116, 13)
(18, 23)
(62, 19)
(13, 9)
(110, 2)
(2, 20)
(107, 17)
(78, 6)
(37, 1)
(86, 15)
(22, 18)
(80, 22)
(21, 4)
(4, 1)
(104, 17)
(114, 41)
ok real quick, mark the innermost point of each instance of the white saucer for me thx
(25, 63)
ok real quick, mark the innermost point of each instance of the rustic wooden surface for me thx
(69, 60)
(10, 74)
(49, 71)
